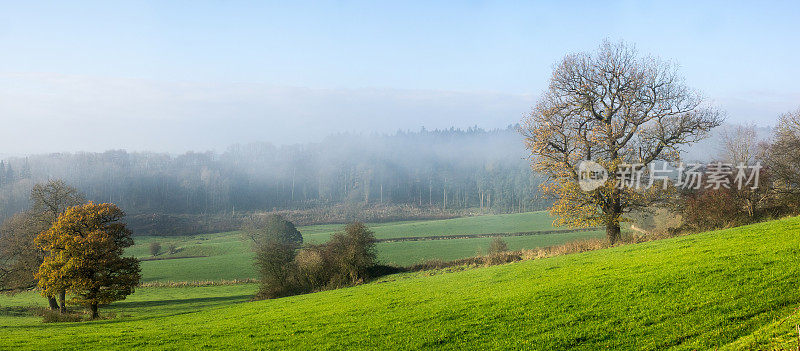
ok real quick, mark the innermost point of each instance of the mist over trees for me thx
(439, 169)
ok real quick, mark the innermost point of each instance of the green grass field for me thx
(505, 223)
(230, 258)
(727, 289)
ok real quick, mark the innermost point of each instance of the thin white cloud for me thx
(54, 112)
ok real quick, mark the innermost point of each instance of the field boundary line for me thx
(486, 235)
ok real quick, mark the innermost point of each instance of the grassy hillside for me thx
(230, 258)
(719, 289)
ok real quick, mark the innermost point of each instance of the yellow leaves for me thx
(83, 250)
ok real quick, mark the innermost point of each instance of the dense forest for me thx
(433, 170)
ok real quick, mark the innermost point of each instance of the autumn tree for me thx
(615, 108)
(84, 249)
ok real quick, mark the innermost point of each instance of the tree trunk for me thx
(62, 300)
(612, 232)
(94, 311)
(53, 303)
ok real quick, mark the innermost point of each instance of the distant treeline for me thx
(439, 170)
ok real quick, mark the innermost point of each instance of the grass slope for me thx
(711, 290)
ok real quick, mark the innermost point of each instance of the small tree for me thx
(262, 229)
(84, 249)
(276, 268)
(275, 242)
(498, 245)
(171, 249)
(155, 248)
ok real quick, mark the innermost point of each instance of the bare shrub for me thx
(351, 254)
(50, 316)
(313, 269)
(348, 258)
(497, 245)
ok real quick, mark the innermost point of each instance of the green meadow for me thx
(224, 256)
(730, 289)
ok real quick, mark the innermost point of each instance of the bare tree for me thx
(784, 158)
(19, 258)
(612, 107)
(741, 146)
(49, 201)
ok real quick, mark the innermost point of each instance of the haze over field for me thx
(178, 77)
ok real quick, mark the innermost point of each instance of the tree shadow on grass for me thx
(19, 311)
(172, 302)
(182, 306)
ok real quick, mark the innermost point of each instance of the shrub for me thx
(352, 254)
(275, 262)
(155, 248)
(171, 249)
(314, 269)
(49, 316)
(347, 258)
(497, 245)
(711, 209)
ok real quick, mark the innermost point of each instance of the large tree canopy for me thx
(84, 249)
(611, 107)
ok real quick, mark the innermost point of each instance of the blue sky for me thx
(228, 71)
